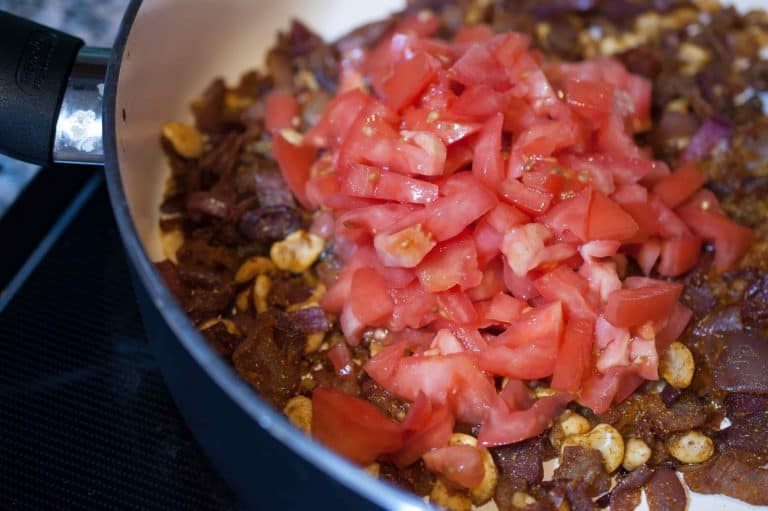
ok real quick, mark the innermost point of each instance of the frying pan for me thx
(60, 102)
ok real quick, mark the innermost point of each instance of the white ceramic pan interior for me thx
(176, 48)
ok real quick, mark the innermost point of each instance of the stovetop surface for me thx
(85, 419)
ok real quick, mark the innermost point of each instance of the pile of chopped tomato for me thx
(485, 203)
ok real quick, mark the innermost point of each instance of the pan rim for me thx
(273, 422)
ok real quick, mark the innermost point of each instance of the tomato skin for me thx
(730, 239)
(598, 390)
(530, 200)
(353, 427)
(564, 284)
(574, 359)
(369, 297)
(675, 188)
(372, 182)
(449, 215)
(426, 427)
(608, 221)
(408, 79)
(528, 362)
(451, 263)
(280, 110)
(678, 256)
(633, 307)
(674, 328)
(516, 395)
(487, 165)
(294, 162)
(462, 464)
(504, 426)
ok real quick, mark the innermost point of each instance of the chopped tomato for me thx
(340, 114)
(505, 426)
(491, 283)
(674, 328)
(426, 427)
(528, 199)
(481, 102)
(352, 426)
(365, 181)
(478, 67)
(449, 215)
(570, 215)
(414, 307)
(633, 307)
(487, 242)
(504, 308)
(369, 297)
(486, 161)
(451, 263)
(608, 221)
(295, 162)
(648, 254)
(564, 284)
(462, 464)
(408, 79)
(675, 188)
(516, 395)
(592, 99)
(598, 390)
(454, 380)
(404, 249)
(455, 305)
(504, 216)
(679, 255)
(280, 110)
(730, 239)
(543, 323)
(574, 360)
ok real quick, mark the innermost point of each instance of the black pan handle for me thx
(35, 63)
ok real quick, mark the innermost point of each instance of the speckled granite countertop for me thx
(95, 22)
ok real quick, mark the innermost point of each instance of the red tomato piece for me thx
(408, 79)
(369, 297)
(480, 33)
(598, 390)
(370, 219)
(516, 395)
(487, 165)
(648, 254)
(455, 305)
(530, 200)
(458, 157)
(462, 464)
(426, 427)
(520, 287)
(633, 307)
(504, 426)
(528, 362)
(681, 184)
(504, 308)
(480, 101)
(352, 426)
(340, 114)
(608, 221)
(678, 256)
(426, 156)
(454, 380)
(564, 284)
(404, 249)
(544, 323)
(674, 328)
(491, 283)
(280, 110)
(504, 216)
(574, 360)
(487, 242)
(569, 215)
(449, 215)
(730, 239)
(591, 99)
(478, 67)
(451, 263)
(414, 307)
(365, 181)
(294, 162)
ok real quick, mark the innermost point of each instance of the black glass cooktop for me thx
(85, 420)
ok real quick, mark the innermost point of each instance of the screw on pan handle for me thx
(35, 62)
